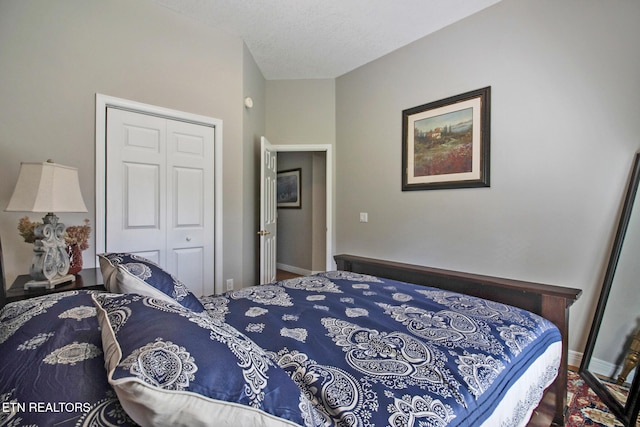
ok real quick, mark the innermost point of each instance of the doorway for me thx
(301, 229)
(326, 230)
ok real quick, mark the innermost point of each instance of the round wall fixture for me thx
(248, 102)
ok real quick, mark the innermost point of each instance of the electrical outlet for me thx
(229, 284)
(364, 217)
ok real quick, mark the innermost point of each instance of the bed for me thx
(373, 343)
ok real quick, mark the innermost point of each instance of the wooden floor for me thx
(283, 275)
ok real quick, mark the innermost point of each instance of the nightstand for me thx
(89, 278)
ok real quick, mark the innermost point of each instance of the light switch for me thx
(364, 217)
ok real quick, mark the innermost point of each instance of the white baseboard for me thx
(292, 269)
(597, 366)
(574, 358)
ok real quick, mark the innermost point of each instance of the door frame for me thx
(102, 103)
(328, 149)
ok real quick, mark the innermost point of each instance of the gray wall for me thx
(56, 55)
(565, 100)
(301, 111)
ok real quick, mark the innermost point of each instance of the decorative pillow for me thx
(171, 366)
(132, 274)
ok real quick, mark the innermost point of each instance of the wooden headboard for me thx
(549, 301)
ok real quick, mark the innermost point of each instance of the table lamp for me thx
(46, 188)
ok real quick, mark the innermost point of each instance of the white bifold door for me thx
(160, 194)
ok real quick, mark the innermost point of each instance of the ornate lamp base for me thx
(49, 284)
(50, 264)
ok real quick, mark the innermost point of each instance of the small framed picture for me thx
(288, 189)
(445, 144)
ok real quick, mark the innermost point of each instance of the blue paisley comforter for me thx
(365, 352)
(370, 351)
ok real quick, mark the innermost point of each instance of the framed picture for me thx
(445, 144)
(288, 189)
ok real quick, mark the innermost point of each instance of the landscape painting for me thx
(443, 144)
(446, 143)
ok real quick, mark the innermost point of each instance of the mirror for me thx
(613, 347)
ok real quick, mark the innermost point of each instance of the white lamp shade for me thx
(47, 187)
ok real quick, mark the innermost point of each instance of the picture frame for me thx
(288, 191)
(446, 143)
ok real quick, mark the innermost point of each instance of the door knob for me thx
(263, 232)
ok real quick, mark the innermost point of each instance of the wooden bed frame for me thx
(551, 302)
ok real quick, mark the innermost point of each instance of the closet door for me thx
(190, 213)
(159, 196)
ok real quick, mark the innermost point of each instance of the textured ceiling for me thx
(312, 39)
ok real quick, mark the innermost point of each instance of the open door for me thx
(268, 211)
